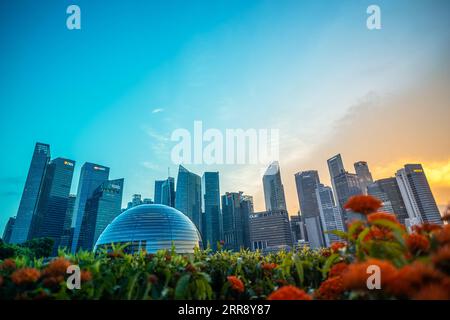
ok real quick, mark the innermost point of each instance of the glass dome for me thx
(151, 227)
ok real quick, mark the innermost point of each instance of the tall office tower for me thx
(158, 194)
(307, 182)
(347, 185)
(8, 229)
(136, 200)
(335, 167)
(374, 189)
(211, 205)
(188, 198)
(91, 177)
(364, 175)
(273, 188)
(67, 236)
(147, 201)
(100, 210)
(298, 229)
(247, 210)
(168, 192)
(329, 213)
(233, 224)
(270, 231)
(417, 195)
(30, 195)
(50, 215)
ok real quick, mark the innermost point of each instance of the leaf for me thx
(330, 261)
(182, 287)
(299, 267)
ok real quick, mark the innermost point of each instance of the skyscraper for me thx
(188, 198)
(212, 229)
(8, 229)
(100, 210)
(417, 195)
(168, 192)
(391, 190)
(233, 221)
(335, 166)
(347, 185)
(30, 195)
(247, 210)
(67, 236)
(307, 182)
(157, 194)
(273, 188)
(329, 213)
(48, 221)
(270, 230)
(91, 177)
(364, 175)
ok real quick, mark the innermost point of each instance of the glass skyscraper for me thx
(235, 221)
(91, 177)
(417, 195)
(307, 182)
(364, 175)
(157, 198)
(8, 229)
(273, 188)
(212, 228)
(329, 213)
(188, 197)
(48, 221)
(168, 192)
(100, 210)
(347, 185)
(30, 195)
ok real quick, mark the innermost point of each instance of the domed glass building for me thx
(151, 227)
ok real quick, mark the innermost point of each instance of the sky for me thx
(113, 92)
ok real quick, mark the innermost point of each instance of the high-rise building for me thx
(8, 229)
(30, 195)
(307, 182)
(188, 197)
(67, 236)
(158, 194)
(48, 221)
(168, 192)
(273, 188)
(247, 210)
(298, 229)
(347, 185)
(335, 167)
(147, 201)
(91, 177)
(364, 175)
(329, 213)
(100, 210)
(235, 220)
(270, 230)
(212, 228)
(375, 190)
(417, 195)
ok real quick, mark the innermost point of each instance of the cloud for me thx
(157, 110)
(149, 165)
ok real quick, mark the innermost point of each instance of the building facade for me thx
(30, 194)
(188, 197)
(8, 229)
(364, 175)
(273, 188)
(329, 214)
(212, 227)
(91, 177)
(270, 230)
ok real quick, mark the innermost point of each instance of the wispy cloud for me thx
(157, 110)
(149, 165)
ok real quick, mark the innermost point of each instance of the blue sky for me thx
(113, 92)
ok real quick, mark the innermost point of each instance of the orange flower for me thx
(57, 268)
(433, 292)
(426, 228)
(443, 236)
(335, 246)
(417, 243)
(379, 233)
(441, 259)
(382, 216)
(85, 276)
(330, 289)
(363, 204)
(411, 278)
(25, 276)
(268, 266)
(356, 275)
(8, 264)
(358, 227)
(337, 269)
(289, 293)
(236, 283)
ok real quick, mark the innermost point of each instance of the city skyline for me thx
(113, 92)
